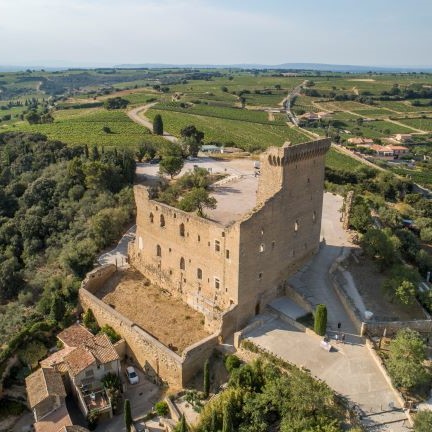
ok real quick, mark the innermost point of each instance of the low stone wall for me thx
(157, 360)
(97, 277)
(392, 327)
(120, 348)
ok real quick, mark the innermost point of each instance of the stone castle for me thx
(229, 269)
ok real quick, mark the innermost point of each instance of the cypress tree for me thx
(320, 323)
(227, 424)
(127, 415)
(95, 153)
(206, 378)
(183, 425)
(213, 423)
(158, 125)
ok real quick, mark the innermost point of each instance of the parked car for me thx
(132, 375)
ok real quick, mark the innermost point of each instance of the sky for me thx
(110, 32)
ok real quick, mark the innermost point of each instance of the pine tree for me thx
(158, 125)
(206, 379)
(320, 324)
(127, 415)
(95, 153)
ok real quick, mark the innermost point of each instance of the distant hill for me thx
(286, 66)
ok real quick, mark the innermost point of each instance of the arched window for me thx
(262, 247)
(296, 225)
(199, 273)
(151, 217)
(140, 242)
(182, 263)
(162, 221)
(314, 216)
(182, 230)
(158, 251)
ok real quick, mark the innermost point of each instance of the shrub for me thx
(90, 322)
(161, 408)
(231, 362)
(320, 324)
(423, 421)
(111, 333)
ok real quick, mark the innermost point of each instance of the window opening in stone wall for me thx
(140, 242)
(217, 283)
(260, 275)
(217, 245)
(296, 226)
(262, 231)
(182, 263)
(182, 230)
(223, 234)
(199, 238)
(199, 273)
(227, 255)
(162, 221)
(158, 251)
(314, 216)
(151, 217)
(273, 244)
(262, 247)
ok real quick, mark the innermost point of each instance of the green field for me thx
(337, 160)
(419, 123)
(221, 112)
(247, 135)
(84, 126)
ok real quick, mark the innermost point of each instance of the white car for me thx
(132, 375)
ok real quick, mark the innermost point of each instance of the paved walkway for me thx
(350, 369)
(118, 255)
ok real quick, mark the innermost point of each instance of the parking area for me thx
(142, 397)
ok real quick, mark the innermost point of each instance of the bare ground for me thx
(155, 310)
(368, 280)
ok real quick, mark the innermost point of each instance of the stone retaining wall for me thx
(157, 360)
(392, 327)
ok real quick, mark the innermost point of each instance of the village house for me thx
(78, 369)
(403, 138)
(360, 141)
(389, 150)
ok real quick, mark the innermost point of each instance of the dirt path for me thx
(271, 116)
(138, 116)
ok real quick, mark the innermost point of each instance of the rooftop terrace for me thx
(235, 194)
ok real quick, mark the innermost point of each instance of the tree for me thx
(406, 292)
(379, 245)
(171, 165)
(58, 308)
(190, 147)
(191, 131)
(106, 129)
(426, 235)
(320, 322)
(231, 362)
(127, 415)
(33, 117)
(360, 217)
(197, 200)
(206, 384)
(146, 151)
(423, 421)
(116, 103)
(401, 283)
(227, 422)
(406, 356)
(158, 125)
(183, 425)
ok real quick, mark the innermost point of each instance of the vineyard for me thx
(247, 135)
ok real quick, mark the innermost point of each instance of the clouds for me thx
(194, 31)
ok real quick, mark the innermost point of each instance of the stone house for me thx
(45, 391)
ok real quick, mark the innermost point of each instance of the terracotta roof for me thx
(78, 360)
(74, 428)
(99, 349)
(42, 384)
(75, 335)
(56, 360)
(57, 421)
(395, 147)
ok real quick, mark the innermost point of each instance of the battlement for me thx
(289, 153)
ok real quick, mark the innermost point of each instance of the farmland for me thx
(84, 126)
(247, 135)
(339, 161)
(419, 123)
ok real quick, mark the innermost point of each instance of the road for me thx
(118, 255)
(137, 115)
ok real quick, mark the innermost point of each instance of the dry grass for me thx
(168, 319)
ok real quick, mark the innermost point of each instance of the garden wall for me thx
(157, 360)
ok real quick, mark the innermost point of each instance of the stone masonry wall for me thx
(157, 360)
(392, 327)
